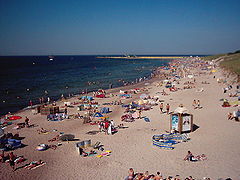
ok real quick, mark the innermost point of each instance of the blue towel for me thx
(146, 119)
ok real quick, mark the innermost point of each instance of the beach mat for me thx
(146, 119)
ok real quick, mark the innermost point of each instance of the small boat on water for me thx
(51, 58)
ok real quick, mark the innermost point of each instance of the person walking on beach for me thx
(2, 157)
(30, 103)
(140, 114)
(11, 160)
(106, 127)
(161, 107)
(27, 121)
(168, 108)
(48, 100)
(198, 104)
(42, 99)
(194, 104)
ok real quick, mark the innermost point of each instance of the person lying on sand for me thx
(34, 164)
(54, 139)
(40, 131)
(233, 95)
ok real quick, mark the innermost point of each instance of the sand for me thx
(215, 136)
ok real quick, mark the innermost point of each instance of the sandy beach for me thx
(213, 135)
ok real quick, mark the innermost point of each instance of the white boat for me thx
(50, 58)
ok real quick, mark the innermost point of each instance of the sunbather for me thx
(34, 164)
(54, 139)
(130, 174)
(40, 131)
(189, 157)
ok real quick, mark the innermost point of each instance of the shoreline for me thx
(141, 57)
(147, 80)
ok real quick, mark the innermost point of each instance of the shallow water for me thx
(25, 78)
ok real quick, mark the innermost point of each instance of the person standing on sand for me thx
(27, 121)
(140, 114)
(198, 104)
(161, 107)
(11, 160)
(30, 103)
(167, 108)
(2, 157)
(48, 100)
(194, 104)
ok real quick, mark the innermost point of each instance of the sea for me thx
(28, 78)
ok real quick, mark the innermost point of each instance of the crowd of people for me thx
(158, 176)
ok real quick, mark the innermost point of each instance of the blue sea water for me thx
(25, 78)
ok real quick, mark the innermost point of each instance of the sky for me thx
(94, 27)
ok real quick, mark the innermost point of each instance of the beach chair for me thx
(96, 145)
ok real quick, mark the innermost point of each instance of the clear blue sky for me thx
(43, 27)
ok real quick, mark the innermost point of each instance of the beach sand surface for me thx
(214, 136)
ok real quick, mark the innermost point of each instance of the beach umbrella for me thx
(143, 96)
(1, 132)
(181, 110)
(67, 137)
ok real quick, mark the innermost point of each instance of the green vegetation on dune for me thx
(231, 62)
(209, 58)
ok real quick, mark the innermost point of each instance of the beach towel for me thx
(13, 143)
(106, 153)
(12, 118)
(105, 110)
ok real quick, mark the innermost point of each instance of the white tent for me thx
(181, 110)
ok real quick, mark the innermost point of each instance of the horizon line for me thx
(110, 55)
